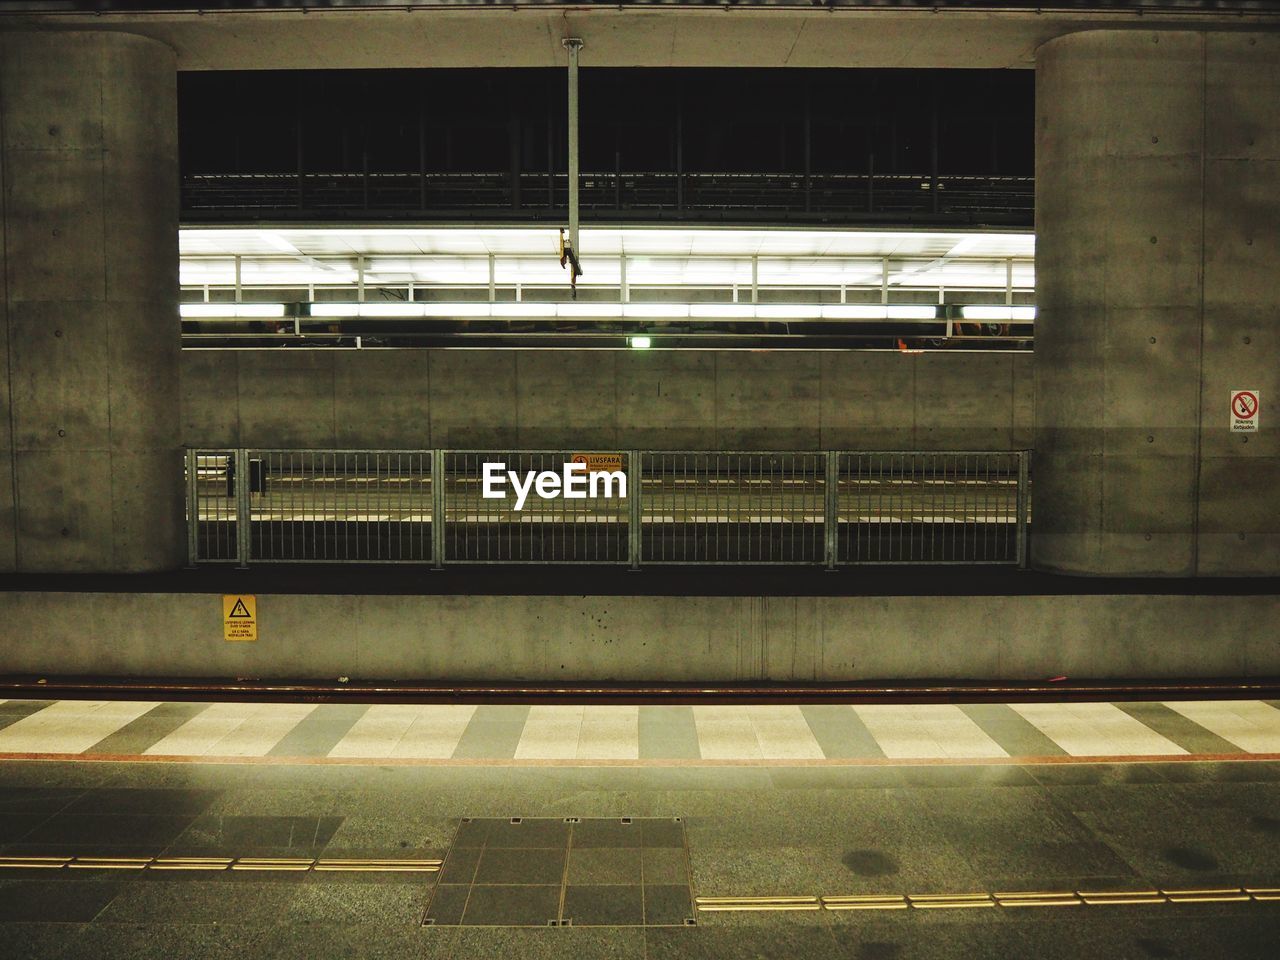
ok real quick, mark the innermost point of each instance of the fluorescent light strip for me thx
(653, 311)
(192, 310)
(998, 313)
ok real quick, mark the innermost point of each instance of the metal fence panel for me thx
(749, 507)
(370, 506)
(941, 507)
(212, 530)
(558, 529)
(659, 507)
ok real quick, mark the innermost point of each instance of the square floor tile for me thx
(510, 906)
(665, 865)
(448, 903)
(528, 833)
(607, 833)
(662, 833)
(595, 865)
(667, 905)
(503, 866)
(604, 905)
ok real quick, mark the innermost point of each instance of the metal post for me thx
(831, 515)
(1024, 479)
(243, 508)
(634, 520)
(193, 510)
(437, 509)
(573, 45)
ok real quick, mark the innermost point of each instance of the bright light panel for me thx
(998, 313)
(231, 310)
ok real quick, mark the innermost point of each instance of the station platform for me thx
(506, 733)
(630, 832)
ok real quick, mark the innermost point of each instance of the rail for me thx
(633, 507)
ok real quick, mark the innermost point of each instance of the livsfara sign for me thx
(576, 480)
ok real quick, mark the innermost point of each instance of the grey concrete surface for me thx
(768, 831)
(619, 37)
(1158, 271)
(89, 389)
(636, 638)
(577, 399)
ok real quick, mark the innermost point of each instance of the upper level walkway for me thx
(301, 34)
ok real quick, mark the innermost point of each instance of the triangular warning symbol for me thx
(239, 611)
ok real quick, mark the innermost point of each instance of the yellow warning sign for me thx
(239, 616)
(599, 461)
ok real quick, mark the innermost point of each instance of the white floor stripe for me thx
(926, 731)
(726, 733)
(436, 732)
(1251, 725)
(783, 733)
(550, 733)
(610, 732)
(1096, 730)
(233, 730)
(378, 731)
(268, 726)
(70, 726)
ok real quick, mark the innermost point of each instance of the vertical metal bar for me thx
(242, 508)
(493, 278)
(808, 145)
(1024, 475)
(437, 509)
(193, 510)
(573, 45)
(680, 150)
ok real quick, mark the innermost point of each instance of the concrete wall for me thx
(1158, 276)
(647, 638)
(652, 35)
(687, 400)
(89, 446)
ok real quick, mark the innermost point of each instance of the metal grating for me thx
(915, 507)
(588, 529)
(371, 506)
(733, 507)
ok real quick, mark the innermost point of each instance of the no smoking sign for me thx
(1245, 409)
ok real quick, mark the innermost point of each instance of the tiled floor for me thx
(570, 733)
(619, 872)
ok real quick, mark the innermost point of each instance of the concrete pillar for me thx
(89, 431)
(1158, 284)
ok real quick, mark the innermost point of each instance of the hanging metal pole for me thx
(573, 45)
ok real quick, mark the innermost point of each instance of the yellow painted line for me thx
(1121, 897)
(755, 904)
(191, 863)
(1048, 902)
(378, 866)
(1207, 895)
(870, 902)
(273, 864)
(1037, 898)
(951, 904)
(34, 863)
(109, 863)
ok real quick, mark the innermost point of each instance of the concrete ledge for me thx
(647, 638)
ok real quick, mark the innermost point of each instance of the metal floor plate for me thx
(628, 872)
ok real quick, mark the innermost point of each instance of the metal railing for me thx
(634, 507)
